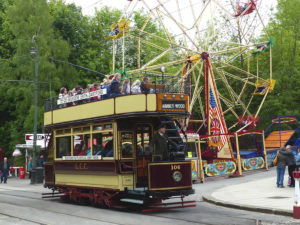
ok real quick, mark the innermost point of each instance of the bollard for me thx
(296, 211)
(21, 172)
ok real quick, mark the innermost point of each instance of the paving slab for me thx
(261, 195)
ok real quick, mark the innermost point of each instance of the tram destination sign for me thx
(83, 96)
(173, 105)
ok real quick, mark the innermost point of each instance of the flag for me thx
(216, 125)
(215, 121)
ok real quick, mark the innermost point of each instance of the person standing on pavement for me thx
(280, 167)
(291, 164)
(4, 167)
(41, 161)
(298, 160)
(29, 167)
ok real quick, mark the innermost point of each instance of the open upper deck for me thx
(117, 107)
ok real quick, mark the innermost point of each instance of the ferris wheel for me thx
(214, 49)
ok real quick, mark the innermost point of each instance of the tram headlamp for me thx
(177, 176)
(165, 95)
(181, 96)
(173, 96)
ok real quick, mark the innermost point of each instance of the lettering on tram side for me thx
(173, 104)
(175, 167)
(81, 166)
(94, 157)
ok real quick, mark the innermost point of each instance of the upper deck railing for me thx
(161, 86)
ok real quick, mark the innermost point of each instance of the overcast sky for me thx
(217, 6)
(89, 5)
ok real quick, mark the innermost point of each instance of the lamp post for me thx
(34, 53)
(163, 70)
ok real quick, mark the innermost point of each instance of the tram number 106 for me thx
(175, 167)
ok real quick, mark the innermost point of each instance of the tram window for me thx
(82, 145)
(59, 132)
(127, 144)
(143, 140)
(97, 128)
(107, 126)
(63, 146)
(67, 131)
(86, 129)
(103, 144)
(77, 130)
(191, 150)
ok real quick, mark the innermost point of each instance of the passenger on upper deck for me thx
(95, 88)
(63, 92)
(106, 85)
(136, 89)
(145, 90)
(115, 86)
(126, 87)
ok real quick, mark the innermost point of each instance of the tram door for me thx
(143, 152)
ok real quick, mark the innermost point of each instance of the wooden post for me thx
(271, 71)
(265, 151)
(238, 154)
(114, 55)
(123, 51)
(200, 162)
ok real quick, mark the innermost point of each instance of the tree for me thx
(23, 22)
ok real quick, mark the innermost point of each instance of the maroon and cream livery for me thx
(167, 176)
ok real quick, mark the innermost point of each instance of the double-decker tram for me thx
(104, 151)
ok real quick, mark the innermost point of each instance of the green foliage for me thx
(285, 29)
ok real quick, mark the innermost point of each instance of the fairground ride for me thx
(211, 50)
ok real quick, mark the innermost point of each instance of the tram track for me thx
(204, 213)
(166, 215)
(89, 218)
(23, 219)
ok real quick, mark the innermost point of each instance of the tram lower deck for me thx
(108, 160)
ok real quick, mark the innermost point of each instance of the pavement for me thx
(260, 195)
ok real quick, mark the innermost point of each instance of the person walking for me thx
(4, 167)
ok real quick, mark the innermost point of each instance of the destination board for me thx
(167, 104)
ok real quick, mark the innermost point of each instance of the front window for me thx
(63, 146)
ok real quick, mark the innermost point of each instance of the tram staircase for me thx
(173, 134)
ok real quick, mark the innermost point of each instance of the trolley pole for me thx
(34, 53)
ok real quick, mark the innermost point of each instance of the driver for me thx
(159, 144)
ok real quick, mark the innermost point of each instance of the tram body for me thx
(117, 164)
